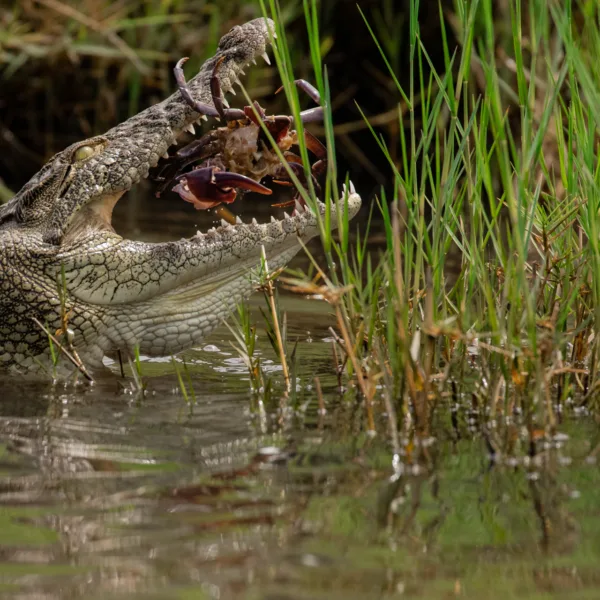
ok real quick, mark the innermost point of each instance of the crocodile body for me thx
(59, 255)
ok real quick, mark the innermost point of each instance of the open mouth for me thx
(252, 147)
(249, 152)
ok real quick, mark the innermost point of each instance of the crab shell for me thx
(242, 152)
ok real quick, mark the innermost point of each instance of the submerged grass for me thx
(489, 282)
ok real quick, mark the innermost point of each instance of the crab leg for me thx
(311, 115)
(315, 145)
(309, 89)
(218, 110)
(200, 149)
(298, 169)
(215, 89)
(319, 150)
(197, 150)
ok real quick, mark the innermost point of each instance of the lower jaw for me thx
(178, 320)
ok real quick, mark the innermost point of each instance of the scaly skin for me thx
(56, 239)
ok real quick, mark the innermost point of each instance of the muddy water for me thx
(110, 492)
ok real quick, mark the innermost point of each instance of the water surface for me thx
(107, 491)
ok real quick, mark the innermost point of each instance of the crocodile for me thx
(63, 267)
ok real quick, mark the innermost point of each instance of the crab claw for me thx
(209, 186)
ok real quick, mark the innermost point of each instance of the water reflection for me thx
(105, 496)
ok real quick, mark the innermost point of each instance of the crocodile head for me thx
(62, 265)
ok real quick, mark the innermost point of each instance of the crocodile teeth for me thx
(253, 61)
(286, 216)
(190, 129)
(238, 221)
(266, 58)
(165, 155)
(352, 188)
(203, 117)
(232, 91)
(299, 207)
(225, 103)
(273, 219)
(224, 223)
(254, 221)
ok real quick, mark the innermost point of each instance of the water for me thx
(107, 492)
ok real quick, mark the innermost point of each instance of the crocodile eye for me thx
(83, 153)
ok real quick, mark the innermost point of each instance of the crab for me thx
(238, 156)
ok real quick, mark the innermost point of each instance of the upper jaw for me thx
(241, 47)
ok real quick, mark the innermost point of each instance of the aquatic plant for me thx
(488, 286)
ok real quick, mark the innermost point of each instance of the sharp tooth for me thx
(165, 155)
(225, 103)
(286, 216)
(242, 71)
(352, 188)
(344, 189)
(273, 219)
(190, 129)
(224, 223)
(299, 207)
(232, 91)
(238, 221)
(254, 221)
(204, 117)
(253, 61)
(266, 57)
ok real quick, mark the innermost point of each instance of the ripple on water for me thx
(106, 494)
